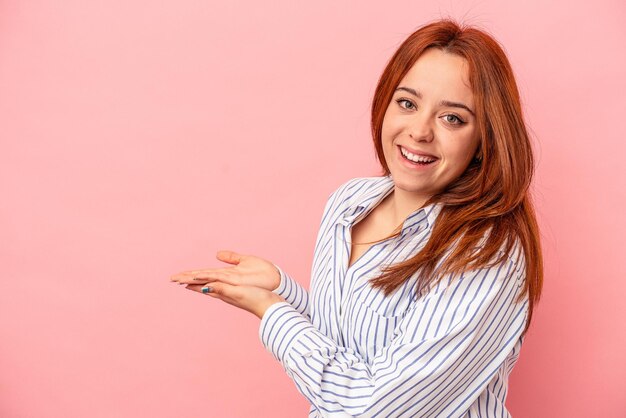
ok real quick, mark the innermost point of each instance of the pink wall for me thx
(139, 137)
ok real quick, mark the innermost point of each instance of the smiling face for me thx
(429, 132)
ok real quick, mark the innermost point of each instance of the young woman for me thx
(424, 279)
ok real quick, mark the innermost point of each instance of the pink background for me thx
(139, 137)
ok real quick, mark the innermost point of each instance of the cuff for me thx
(280, 326)
(292, 292)
(284, 281)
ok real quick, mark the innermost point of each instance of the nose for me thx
(421, 129)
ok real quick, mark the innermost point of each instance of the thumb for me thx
(217, 289)
(223, 291)
(229, 257)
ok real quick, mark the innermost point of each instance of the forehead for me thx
(439, 75)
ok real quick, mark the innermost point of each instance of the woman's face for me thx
(429, 132)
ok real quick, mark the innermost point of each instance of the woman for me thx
(424, 279)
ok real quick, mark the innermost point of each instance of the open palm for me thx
(246, 270)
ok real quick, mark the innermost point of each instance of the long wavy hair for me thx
(489, 205)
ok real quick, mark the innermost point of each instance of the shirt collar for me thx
(375, 194)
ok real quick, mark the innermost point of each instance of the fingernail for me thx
(207, 289)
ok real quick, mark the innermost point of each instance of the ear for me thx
(479, 156)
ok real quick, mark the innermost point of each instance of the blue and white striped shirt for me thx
(352, 351)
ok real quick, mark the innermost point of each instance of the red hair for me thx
(491, 199)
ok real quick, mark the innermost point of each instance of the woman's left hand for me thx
(251, 298)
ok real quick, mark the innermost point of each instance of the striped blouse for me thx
(352, 351)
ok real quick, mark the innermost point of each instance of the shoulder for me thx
(508, 264)
(354, 190)
(511, 249)
(505, 263)
(504, 272)
(513, 254)
(353, 193)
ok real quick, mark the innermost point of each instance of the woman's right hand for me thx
(248, 270)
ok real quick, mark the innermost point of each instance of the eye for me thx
(406, 104)
(453, 119)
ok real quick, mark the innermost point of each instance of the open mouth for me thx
(417, 159)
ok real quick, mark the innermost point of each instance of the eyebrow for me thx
(445, 103)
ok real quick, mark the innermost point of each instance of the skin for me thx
(423, 124)
(247, 284)
(415, 119)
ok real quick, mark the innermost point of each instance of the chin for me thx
(411, 186)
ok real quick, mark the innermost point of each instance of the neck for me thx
(403, 203)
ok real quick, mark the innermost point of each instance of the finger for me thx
(181, 276)
(216, 291)
(225, 293)
(178, 278)
(193, 280)
(190, 274)
(228, 277)
(194, 272)
(196, 287)
(207, 277)
(200, 289)
(229, 257)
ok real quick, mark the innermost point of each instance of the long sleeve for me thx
(296, 295)
(293, 293)
(446, 348)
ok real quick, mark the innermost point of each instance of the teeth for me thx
(416, 158)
